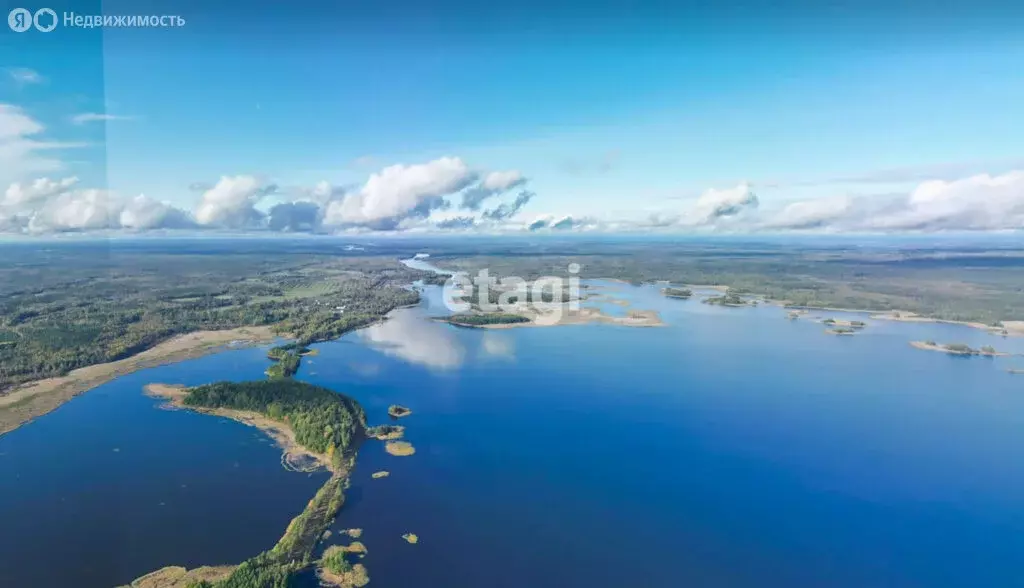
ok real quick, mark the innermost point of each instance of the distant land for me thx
(112, 307)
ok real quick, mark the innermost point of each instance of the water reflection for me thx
(411, 337)
(500, 345)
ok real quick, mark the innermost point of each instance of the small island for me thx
(958, 349)
(386, 432)
(335, 570)
(730, 298)
(681, 293)
(287, 359)
(411, 538)
(398, 411)
(475, 320)
(380, 474)
(399, 448)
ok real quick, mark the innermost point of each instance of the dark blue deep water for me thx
(731, 448)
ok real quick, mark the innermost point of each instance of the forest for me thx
(962, 280)
(323, 420)
(65, 307)
(479, 320)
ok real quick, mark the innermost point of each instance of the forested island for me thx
(481, 320)
(683, 293)
(730, 298)
(322, 422)
(287, 359)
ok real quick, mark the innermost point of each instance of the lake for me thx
(731, 447)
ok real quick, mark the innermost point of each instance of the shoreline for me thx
(282, 434)
(584, 316)
(965, 353)
(32, 400)
(293, 550)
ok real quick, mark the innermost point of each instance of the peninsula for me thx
(305, 420)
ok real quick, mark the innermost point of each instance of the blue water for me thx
(109, 487)
(731, 448)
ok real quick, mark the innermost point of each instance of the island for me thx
(411, 538)
(386, 432)
(399, 448)
(729, 298)
(958, 349)
(306, 420)
(682, 293)
(398, 411)
(475, 320)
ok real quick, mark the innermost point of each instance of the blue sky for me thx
(611, 114)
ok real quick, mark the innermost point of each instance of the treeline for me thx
(494, 318)
(323, 420)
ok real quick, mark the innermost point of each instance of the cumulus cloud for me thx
(294, 216)
(493, 184)
(231, 202)
(561, 223)
(46, 206)
(458, 222)
(714, 205)
(508, 210)
(536, 225)
(400, 192)
(812, 214)
(980, 202)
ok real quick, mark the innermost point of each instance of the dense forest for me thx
(68, 308)
(494, 318)
(323, 420)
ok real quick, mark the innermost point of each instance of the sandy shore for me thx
(633, 318)
(1012, 328)
(281, 433)
(35, 399)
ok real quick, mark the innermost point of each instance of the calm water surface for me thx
(732, 448)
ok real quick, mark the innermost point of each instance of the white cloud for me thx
(493, 184)
(503, 180)
(45, 206)
(811, 214)
(21, 153)
(714, 205)
(143, 212)
(401, 191)
(88, 117)
(23, 195)
(980, 202)
(23, 76)
(231, 203)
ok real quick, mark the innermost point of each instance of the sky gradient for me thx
(663, 116)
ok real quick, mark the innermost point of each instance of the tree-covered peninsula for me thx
(324, 423)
